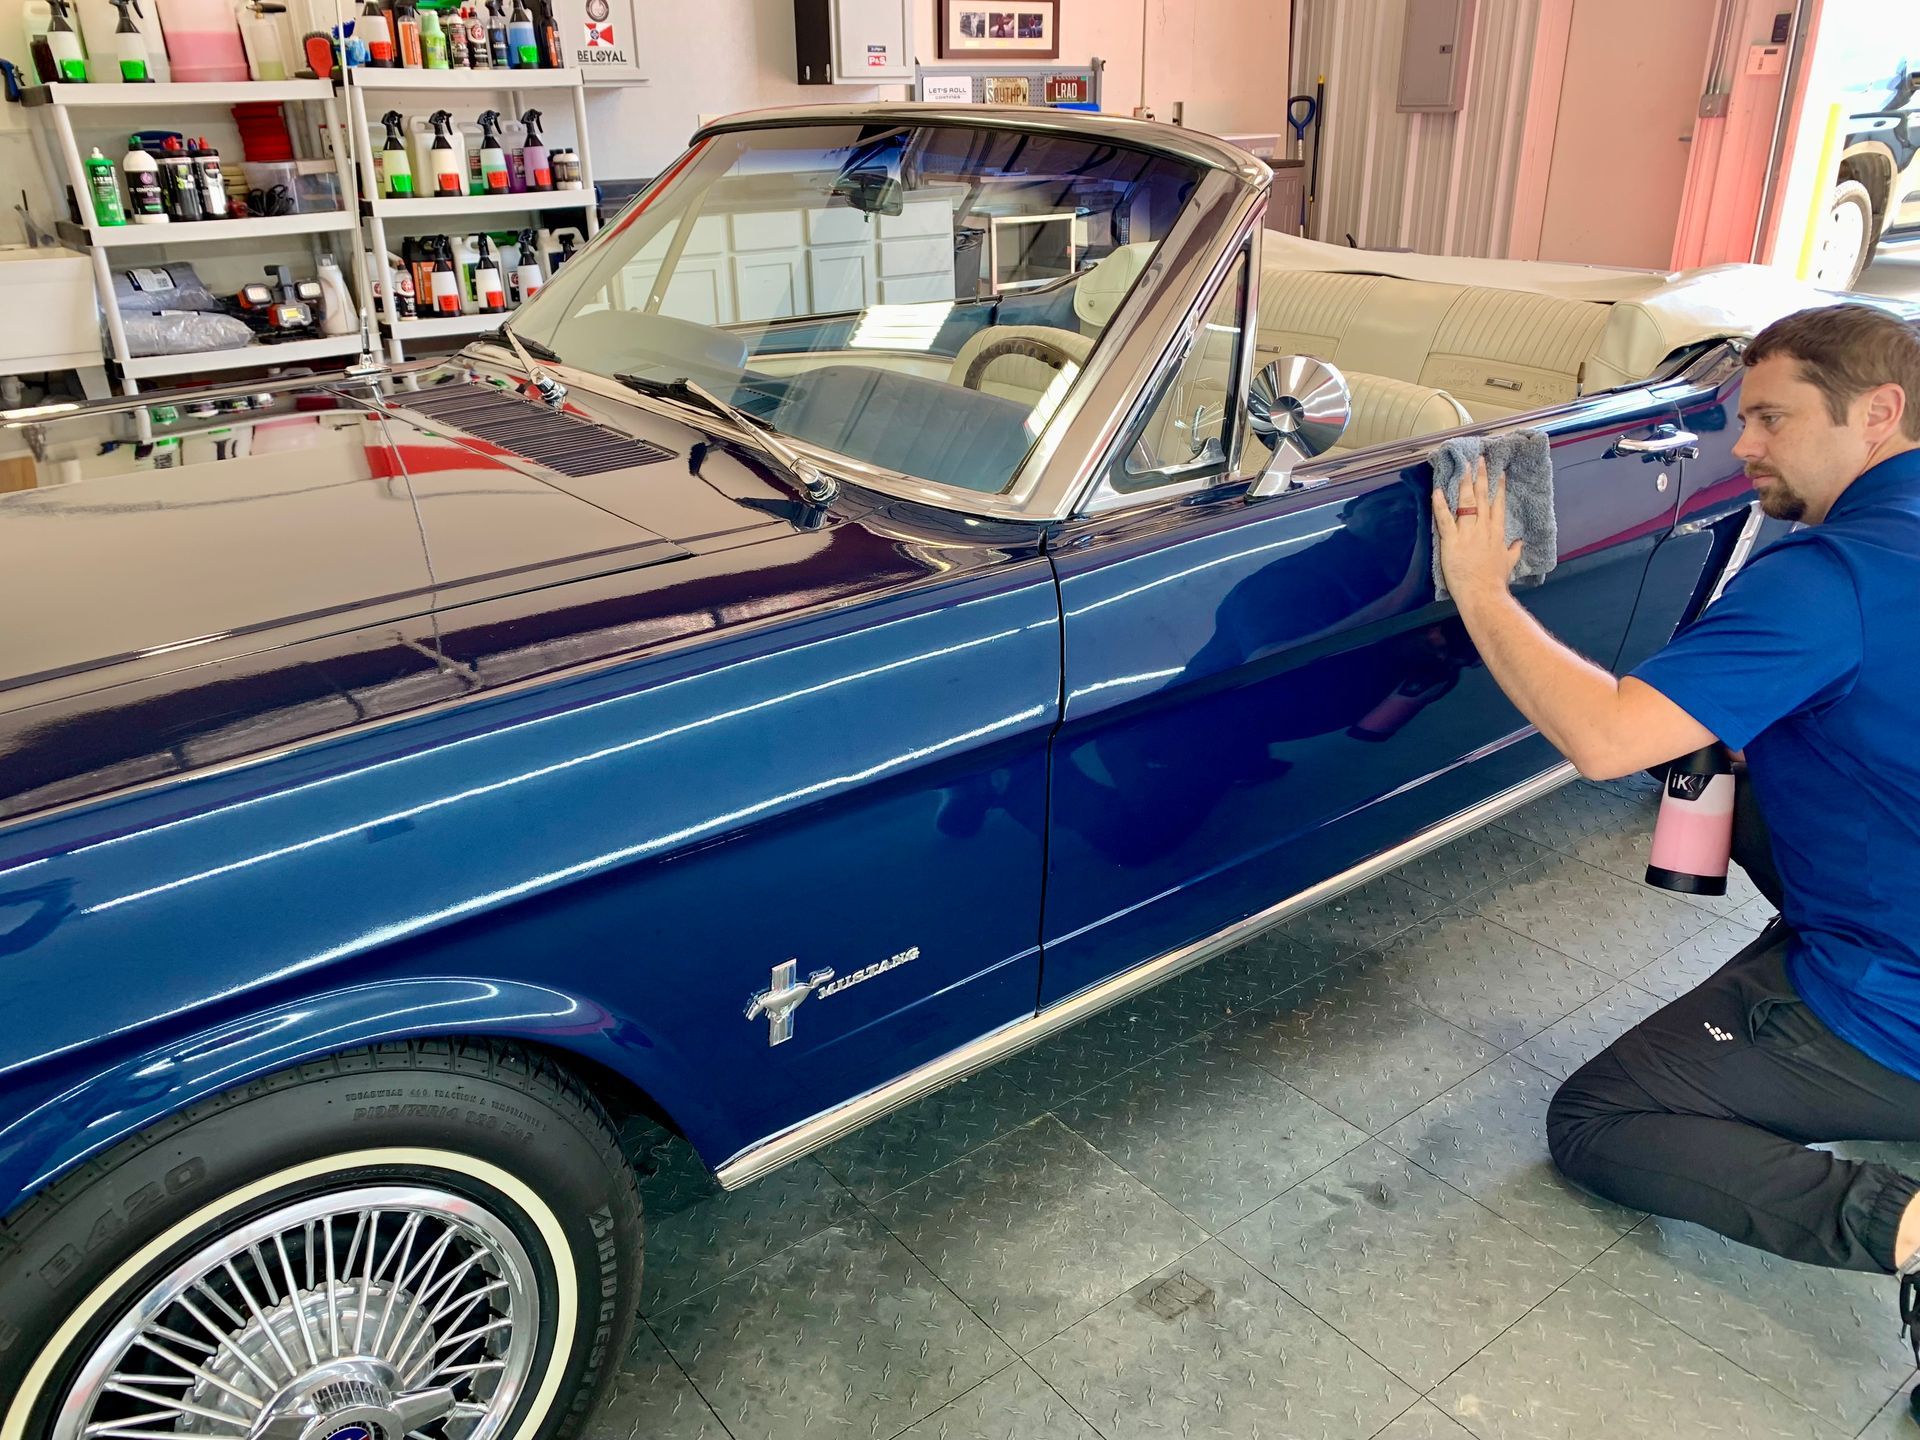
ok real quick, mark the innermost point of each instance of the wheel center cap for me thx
(346, 1400)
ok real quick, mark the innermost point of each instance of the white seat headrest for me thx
(1098, 292)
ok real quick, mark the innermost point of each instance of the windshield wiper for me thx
(817, 485)
(551, 390)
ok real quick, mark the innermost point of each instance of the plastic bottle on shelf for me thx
(523, 44)
(479, 52)
(418, 255)
(449, 175)
(179, 183)
(534, 159)
(400, 277)
(446, 282)
(146, 202)
(489, 290)
(567, 173)
(130, 45)
(499, 51)
(104, 188)
(466, 259)
(203, 40)
(528, 277)
(336, 304)
(263, 33)
(63, 42)
(458, 56)
(433, 41)
(406, 35)
(548, 30)
(396, 172)
(493, 154)
(206, 173)
(376, 29)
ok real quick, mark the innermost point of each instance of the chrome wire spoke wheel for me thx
(393, 1312)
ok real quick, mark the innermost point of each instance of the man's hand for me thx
(1475, 558)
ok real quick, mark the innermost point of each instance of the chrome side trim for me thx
(829, 1125)
(1742, 548)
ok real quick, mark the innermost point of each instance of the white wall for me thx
(1226, 59)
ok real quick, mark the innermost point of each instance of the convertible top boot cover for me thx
(1522, 456)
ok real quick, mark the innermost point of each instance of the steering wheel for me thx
(1047, 352)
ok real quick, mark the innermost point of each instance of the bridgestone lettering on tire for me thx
(437, 1238)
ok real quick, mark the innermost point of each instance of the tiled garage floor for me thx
(1302, 1191)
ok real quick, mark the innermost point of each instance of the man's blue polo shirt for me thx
(1810, 662)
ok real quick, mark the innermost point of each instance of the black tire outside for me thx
(498, 1103)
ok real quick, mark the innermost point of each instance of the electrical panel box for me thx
(1433, 55)
(854, 42)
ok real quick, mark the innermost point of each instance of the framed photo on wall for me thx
(999, 29)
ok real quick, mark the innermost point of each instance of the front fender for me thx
(68, 1123)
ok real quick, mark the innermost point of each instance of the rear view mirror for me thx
(872, 192)
(1299, 407)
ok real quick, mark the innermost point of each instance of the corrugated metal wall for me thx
(1442, 184)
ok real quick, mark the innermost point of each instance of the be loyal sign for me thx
(601, 38)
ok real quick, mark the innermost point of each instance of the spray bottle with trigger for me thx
(497, 51)
(528, 277)
(69, 60)
(447, 179)
(395, 169)
(130, 44)
(493, 155)
(533, 155)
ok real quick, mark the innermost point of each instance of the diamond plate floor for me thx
(1299, 1193)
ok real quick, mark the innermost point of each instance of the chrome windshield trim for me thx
(1072, 449)
(1193, 146)
(770, 1154)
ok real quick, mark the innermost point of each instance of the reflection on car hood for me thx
(338, 557)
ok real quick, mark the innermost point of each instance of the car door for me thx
(1260, 693)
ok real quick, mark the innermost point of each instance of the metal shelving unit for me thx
(377, 211)
(58, 101)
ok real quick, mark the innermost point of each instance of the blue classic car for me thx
(920, 576)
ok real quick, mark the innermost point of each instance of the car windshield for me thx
(917, 297)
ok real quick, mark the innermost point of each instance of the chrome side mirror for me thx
(1298, 406)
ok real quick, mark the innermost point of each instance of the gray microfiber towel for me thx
(1522, 456)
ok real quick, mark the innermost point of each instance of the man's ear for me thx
(1883, 408)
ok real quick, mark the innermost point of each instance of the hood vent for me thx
(532, 430)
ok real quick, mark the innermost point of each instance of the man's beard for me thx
(1780, 500)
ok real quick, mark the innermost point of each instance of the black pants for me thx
(1704, 1111)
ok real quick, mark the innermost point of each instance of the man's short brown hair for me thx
(1845, 351)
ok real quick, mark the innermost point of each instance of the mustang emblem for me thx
(782, 998)
(867, 972)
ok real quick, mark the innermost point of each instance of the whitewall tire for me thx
(427, 1239)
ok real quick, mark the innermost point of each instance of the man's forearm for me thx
(1565, 696)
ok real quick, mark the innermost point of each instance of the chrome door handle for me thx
(1664, 445)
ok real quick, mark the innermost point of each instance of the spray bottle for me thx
(523, 44)
(146, 202)
(493, 155)
(130, 44)
(377, 31)
(105, 190)
(488, 288)
(534, 158)
(498, 51)
(527, 275)
(69, 60)
(443, 160)
(466, 260)
(396, 171)
(446, 282)
(400, 277)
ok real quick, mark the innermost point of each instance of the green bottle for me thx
(105, 189)
(69, 59)
(433, 40)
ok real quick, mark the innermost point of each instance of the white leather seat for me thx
(1386, 409)
(1496, 351)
